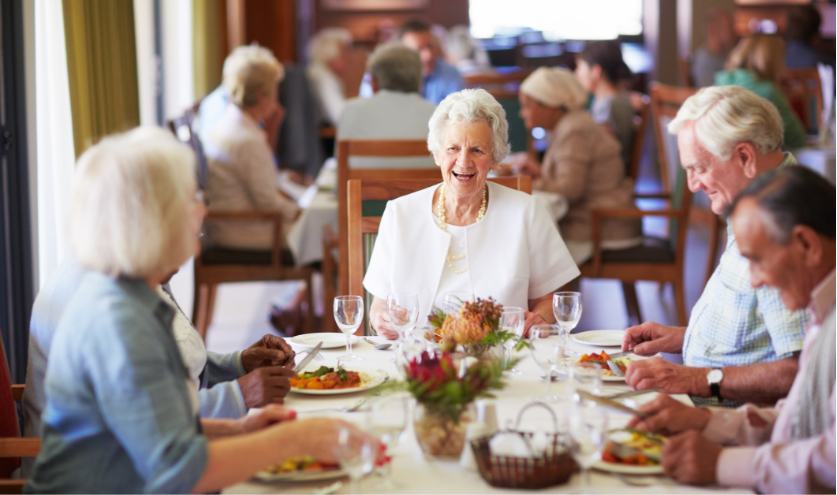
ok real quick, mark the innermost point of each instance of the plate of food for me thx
(335, 381)
(329, 340)
(600, 338)
(602, 358)
(304, 468)
(632, 451)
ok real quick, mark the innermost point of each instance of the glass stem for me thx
(354, 485)
(349, 343)
(585, 480)
(548, 382)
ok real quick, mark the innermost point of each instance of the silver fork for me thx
(354, 407)
(317, 357)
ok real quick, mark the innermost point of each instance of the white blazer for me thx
(513, 255)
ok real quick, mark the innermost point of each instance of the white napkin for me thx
(509, 444)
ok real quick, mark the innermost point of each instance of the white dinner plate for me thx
(600, 338)
(612, 467)
(369, 380)
(329, 340)
(315, 475)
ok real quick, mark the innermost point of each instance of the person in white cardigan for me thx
(466, 234)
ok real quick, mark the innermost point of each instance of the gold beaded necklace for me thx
(449, 258)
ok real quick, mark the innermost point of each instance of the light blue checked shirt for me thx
(733, 324)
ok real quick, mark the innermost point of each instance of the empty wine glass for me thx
(356, 456)
(403, 310)
(348, 313)
(512, 320)
(548, 345)
(387, 420)
(587, 431)
(566, 306)
(453, 301)
(584, 376)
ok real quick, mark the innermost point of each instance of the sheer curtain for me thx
(54, 136)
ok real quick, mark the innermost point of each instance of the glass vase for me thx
(441, 432)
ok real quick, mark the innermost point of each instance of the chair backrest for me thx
(684, 72)
(367, 201)
(803, 89)
(182, 128)
(9, 426)
(642, 106)
(386, 148)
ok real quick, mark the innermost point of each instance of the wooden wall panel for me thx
(272, 24)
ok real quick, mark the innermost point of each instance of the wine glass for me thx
(584, 376)
(387, 419)
(512, 320)
(548, 345)
(453, 301)
(566, 306)
(403, 310)
(587, 432)
(356, 456)
(348, 313)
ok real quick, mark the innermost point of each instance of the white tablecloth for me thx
(419, 475)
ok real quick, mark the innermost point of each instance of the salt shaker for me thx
(487, 414)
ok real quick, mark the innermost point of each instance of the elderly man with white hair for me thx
(741, 344)
(396, 111)
(327, 53)
(478, 237)
(582, 163)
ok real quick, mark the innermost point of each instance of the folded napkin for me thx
(509, 444)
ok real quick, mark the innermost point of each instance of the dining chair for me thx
(12, 446)
(217, 265)
(367, 200)
(642, 106)
(328, 269)
(803, 89)
(381, 148)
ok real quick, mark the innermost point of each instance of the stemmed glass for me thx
(387, 419)
(348, 313)
(548, 345)
(566, 306)
(403, 310)
(356, 456)
(512, 320)
(584, 376)
(588, 421)
(453, 301)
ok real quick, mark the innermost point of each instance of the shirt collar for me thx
(822, 298)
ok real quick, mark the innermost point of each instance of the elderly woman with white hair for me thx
(242, 171)
(477, 236)
(328, 57)
(582, 162)
(120, 416)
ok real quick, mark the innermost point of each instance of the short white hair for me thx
(131, 208)
(726, 116)
(467, 106)
(396, 67)
(326, 44)
(248, 70)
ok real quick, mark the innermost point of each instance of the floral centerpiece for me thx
(445, 394)
(476, 326)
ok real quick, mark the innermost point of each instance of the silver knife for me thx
(633, 393)
(309, 357)
(611, 404)
(620, 354)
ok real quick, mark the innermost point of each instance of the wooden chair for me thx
(366, 203)
(665, 102)
(684, 72)
(803, 89)
(217, 265)
(329, 271)
(372, 148)
(12, 446)
(642, 106)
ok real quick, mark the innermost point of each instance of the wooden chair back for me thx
(182, 129)
(367, 201)
(12, 446)
(642, 106)
(382, 148)
(803, 89)
(684, 72)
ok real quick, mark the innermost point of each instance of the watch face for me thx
(715, 376)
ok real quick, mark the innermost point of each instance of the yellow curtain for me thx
(207, 43)
(102, 68)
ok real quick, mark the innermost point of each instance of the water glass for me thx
(356, 456)
(453, 301)
(387, 420)
(566, 306)
(348, 313)
(512, 320)
(584, 376)
(548, 345)
(403, 310)
(587, 432)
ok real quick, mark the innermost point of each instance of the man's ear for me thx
(747, 158)
(809, 243)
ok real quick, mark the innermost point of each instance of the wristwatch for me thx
(714, 378)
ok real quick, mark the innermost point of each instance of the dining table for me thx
(419, 474)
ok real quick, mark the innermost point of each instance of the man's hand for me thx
(670, 416)
(650, 338)
(530, 319)
(267, 385)
(691, 458)
(673, 378)
(270, 350)
(269, 415)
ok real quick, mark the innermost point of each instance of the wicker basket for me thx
(553, 468)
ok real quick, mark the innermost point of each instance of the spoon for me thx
(380, 347)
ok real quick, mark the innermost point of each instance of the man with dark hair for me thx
(784, 222)
(803, 30)
(439, 78)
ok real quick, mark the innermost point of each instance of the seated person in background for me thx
(328, 55)
(711, 57)
(802, 31)
(479, 237)
(582, 162)
(784, 223)
(464, 52)
(242, 173)
(229, 384)
(121, 413)
(599, 68)
(396, 111)
(755, 64)
(439, 77)
(741, 344)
